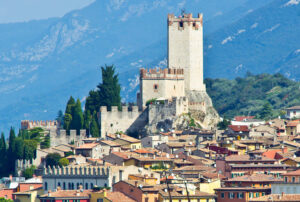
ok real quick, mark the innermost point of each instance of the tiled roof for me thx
(236, 128)
(296, 173)
(292, 123)
(255, 178)
(118, 196)
(246, 158)
(123, 137)
(110, 143)
(242, 118)
(87, 146)
(272, 153)
(277, 197)
(194, 168)
(68, 194)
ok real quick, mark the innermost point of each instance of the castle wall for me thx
(48, 125)
(114, 120)
(58, 137)
(164, 83)
(185, 48)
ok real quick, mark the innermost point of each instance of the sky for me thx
(26, 10)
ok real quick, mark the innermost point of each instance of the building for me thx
(277, 197)
(293, 128)
(290, 184)
(78, 195)
(293, 112)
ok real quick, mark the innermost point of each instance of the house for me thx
(263, 131)
(29, 195)
(292, 161)
(66, 195)
(192, 171)
(118, 158)
(293, 112)
(279, 124)
(155, 162)
(205, 153)
(293, 128)
(92, 150)
(290, 183)
(277, 198)
(109, 196)
(154, 140)
(237, 131)
(246, 121)
(175, 147)
(110, 146)
(76, 159)
(125, 140)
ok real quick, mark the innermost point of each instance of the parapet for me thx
(176, 74)
(76, 171)
(125, 109)
(27, 124)
(187, 17)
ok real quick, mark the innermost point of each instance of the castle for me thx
(179, 88)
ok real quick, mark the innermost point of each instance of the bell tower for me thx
(185, 49)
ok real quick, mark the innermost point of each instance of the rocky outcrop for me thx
(204, 113)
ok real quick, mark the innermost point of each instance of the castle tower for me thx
(185, 49)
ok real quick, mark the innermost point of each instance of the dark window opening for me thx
(180, 24)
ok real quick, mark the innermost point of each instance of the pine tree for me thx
(94, 127)
(266, 111)
(3, 153)
(77, 117)
(109, 90)
(11, 155)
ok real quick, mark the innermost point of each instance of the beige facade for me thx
(185, 48)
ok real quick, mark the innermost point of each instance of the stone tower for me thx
(185, 49)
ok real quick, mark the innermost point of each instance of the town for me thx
(170, 146)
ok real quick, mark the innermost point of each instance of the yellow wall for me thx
(33, 196)
(98, 195)
(185, 200)
(136, 146)
(209, 187)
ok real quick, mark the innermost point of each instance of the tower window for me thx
(155, 87)
(174, 87)
(180, 24)
(194, 24)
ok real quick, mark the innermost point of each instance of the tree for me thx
(28, 172)
(60, 118)
(70, 104)
(67, 121)
(52, 159)
(222, 125)
(92, 102)
(109, 90)
(11, 156)
(19, 148)
(3, 154)
(266, 111)
(87, 120)
(69, 113)
(46, 142)
(30, 149)
(77, 117)
(63, 162)
(94, 128)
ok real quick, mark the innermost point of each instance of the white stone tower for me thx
(185, 49)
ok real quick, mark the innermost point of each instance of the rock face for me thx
(201, 113)
(204, 113)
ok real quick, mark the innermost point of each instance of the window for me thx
(99, 200)
(250, 195)
(64, 186)
(155, 87)
(180, 24)
(257, 194)
(263, 193)
(222, 195)
(285, 179)
(240, 195)
(92, 186)
(58, 184)
(46, 186)
(146, 199)
(207, 200)
(231, 195)
(194, 24)
(293, 179)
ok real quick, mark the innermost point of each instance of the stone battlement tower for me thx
(185, 49)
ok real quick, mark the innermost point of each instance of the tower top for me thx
(186, 17)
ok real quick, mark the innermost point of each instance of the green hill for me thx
(246, 96)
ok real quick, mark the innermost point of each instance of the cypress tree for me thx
(60, 118)
(19, 148)
(11, 153)
(109, 89)
(3, 153)
(87, 120)
(69, 113)
(77, 117)
(94, 127)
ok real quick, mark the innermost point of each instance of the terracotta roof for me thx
(242, 118)
(118, 196)
(292, 123)
(123, 137)
(255, 178)
(272, 152)
(236, 128)
(143, 151)
(277, 197)
(110, 143)
(152, 159)
(296, 173)
(179, 194)
(246, 158)
(210, 175)
(124, 155)
(194, 168)
(87, 146)
(68, 194)
(295, 144)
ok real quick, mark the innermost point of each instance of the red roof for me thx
(239, 128)
(242, 118)
(272, 153)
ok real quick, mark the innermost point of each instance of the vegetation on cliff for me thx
(263, 95)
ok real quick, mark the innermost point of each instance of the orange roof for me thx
(68, 194)
(87, 146)
(296, 173)
(272, 153)
(242, 118)
(118, 196)
(292, 123)
(143, 151)
(239, 128)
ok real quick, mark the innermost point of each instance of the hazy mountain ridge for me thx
(60, 56)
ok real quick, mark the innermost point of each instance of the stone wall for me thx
(185, 48)
(126, 121)
(58, 137)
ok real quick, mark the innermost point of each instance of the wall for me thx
(58, 137)
(292, 113)
(185, 49)
(210, 186)
(114, 120)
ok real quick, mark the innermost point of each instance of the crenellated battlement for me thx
(114, 109)
(27, 124)
(186, 20)
(86, 171)
(159, 74)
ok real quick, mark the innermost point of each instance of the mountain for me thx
(248, 95)
(265, 40)
(43, 62)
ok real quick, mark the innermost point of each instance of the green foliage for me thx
(266, 111)
(19, 150)
(69, 113)
(46, 142)
(109, 90)
(151, 101)
(94, 128)
(60, 118)
(222, 125)
(159, 166)
(77, 117)
(52, 159)
(11, 153)
(30, 149)
(69, 153)
(63, 162)
(5, 200)
(3, 157)
(247, 96)
(28, 172)
(67, 121)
